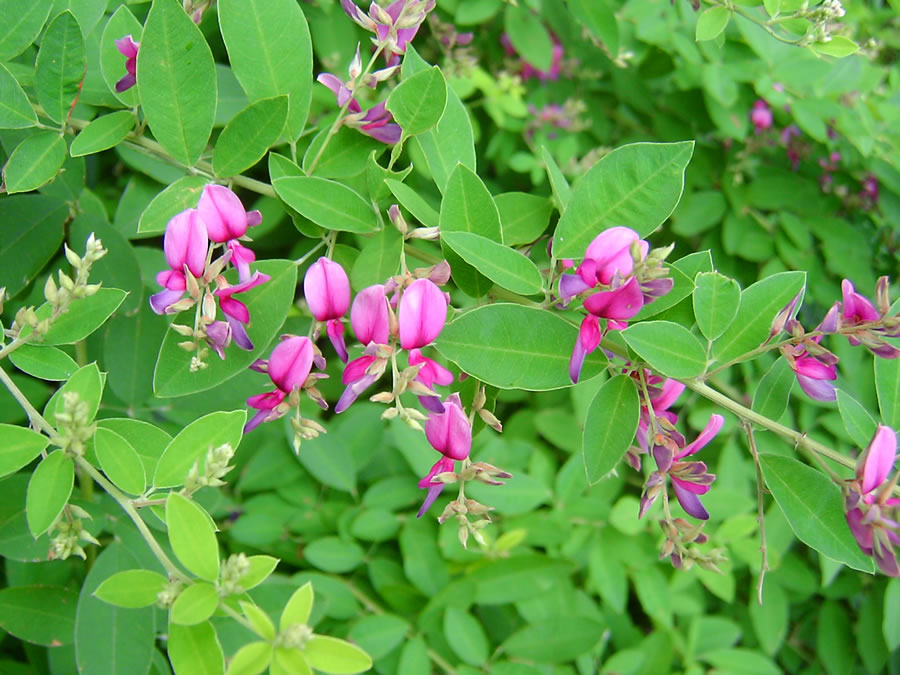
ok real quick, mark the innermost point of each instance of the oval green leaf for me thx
(857, 420)
(248, 135)
(192, 536)
(85, 315)
(183, 194)
(194, 604)
(887, 386)
(29, 20)
(774, 390)
(103, 133)
(610, 425)
(327, 203)
(60, 67)
(41, 615)
(418, 102)
(555, 640)
(18, 447)
(298, 608)
(88, 383)
(515, 347)
(195, 650)
(716, 301)
(502, 265)
(119, 461)
(192, 443)
(465, 636)
(15, 109)
(45, 363)
(413, 202)
(48, 492)
(668, 347)
(712, 22)
(132, 588)
(35, 162)
(336, 656)
(523, 216)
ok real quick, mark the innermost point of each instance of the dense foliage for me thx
(535, 336)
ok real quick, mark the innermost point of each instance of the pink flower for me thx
(450, 432)
(434, 486)
(376, 122)
(761, 115)
(589, 338)
(619, 305)
(429, 374)
(288, 367)
(815, 377)
(236, 313)
(224, 214)
(877, 461)
(186, 246)
(395, 25)
(129, 49)
(327, 291)
(422, 314)
(359, 375)
(369, 316)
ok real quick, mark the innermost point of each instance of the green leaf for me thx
(345, 155)
(48, 491)
(183, 194)
(465, 636)
(887, 386)
(148, 441)
(523, 217)
(502, 265)
(452, 141)
(814, 509)
(857, 420)
(379, 634)
(760, 303)
(60, 67)
(379, 258)
(519, 578)
(112, 63)
(835, 643)
(41, 615)
(194, 604)
(261, 566)
(132, 588)
(414, 658)
(270, 51)
(18, 447)
(45, 363)
(668, 347)
(515, 347)
(248, 135)
(333, 554)
(522, 493)
(716, 301)
(610, 425)
(637, 186)
(251, 659)
(558, 183)
(838, 46)
(103, 133)
(336, 656)
(192, 536)
(327, 203)
(192, 442)
(87, 382)
(298, 608)
(414, 203)
(126, 342)
(891, 621)
(15, 109)
(739, 661)
(529, 37)
(119, 461)
(37, 237)
(176, 80)
(712, 22)
(682, 287)
(23, 26)
(418, 102)
(85, 315)
(774, 390)
(555, 640)
(598, 17)
(195, 650)
(770, 619)
(268, 303)
(119, 268)
(35, 162)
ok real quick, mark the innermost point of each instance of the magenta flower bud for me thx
(856, 308)
(608, 253)
(129, 49)
(422, 314)
(290, 363)
(369, 316)
(434, 487)
(878, 459)
(224, 214)
(622, 303)
(185, 242)
(589, 337)
(327, 290)
(761, 115)
(450, 432)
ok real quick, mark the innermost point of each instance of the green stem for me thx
(760, 511)
(239, 618)
(12, 346)
(37, 420)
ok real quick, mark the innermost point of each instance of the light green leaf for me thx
(637, 186)
(248, 135)
(15, 109)
(147, 440)
(41, 615)
(515, 347)
(35, 162)
(333, 554)
(857, 420)
(330, 462)
(774, 390)
(414, 203)
(598, 17)
(85, 315)
(523, 216)
(60, 67)
(183, 194)
(712, 22)
(112, 63)
(195, 650)
(610, 425)
(45, 363)
(119, 461)
(345, 155)
(194, 604)
(261, 566)
(327, 203)
(814, 508)
(891, 620)
(555, 640)
(260, 621)
(298, 608)
(502, 265)
(887, 386)
(23, 25)
(682, 287)
(562, 193)
(132, 588)
(18, 447)
(716, 300)
(519, 578)
(668, 347)
(529, 37)
(418, 102)
(192, 536)
(193, 442)
(741, 661)
(176, 80)
(760, 303)
(270, 51)
(251, 659)
(336, 656)
(48, 491)
(465, 636)
(103, 133)
(88, 383)
(838, 46)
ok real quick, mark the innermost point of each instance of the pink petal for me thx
(327, 289)
(422, 314)
(290, 363)
(369, 316)
(880, 457)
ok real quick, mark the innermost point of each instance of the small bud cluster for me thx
(295, 636)
(70, 534)
(233, 569)
(74, 424)
(680, 534)
(168, 595)
(462, 507)
(216, 465)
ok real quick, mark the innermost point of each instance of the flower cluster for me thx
(617, 277)
(528, 71)
(872, 513)
(190, 241)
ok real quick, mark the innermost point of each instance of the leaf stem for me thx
(37, 420)
(760, 511)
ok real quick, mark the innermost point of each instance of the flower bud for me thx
(369, 316)
(422, 314)
(327, 290)
(224, 215)
(450, 432)
(186, 243)
(290, 363)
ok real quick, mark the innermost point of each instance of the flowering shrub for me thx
(575, 249)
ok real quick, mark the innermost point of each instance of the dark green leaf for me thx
(183, 194)
(414, 203)
(103, 133)
(857, 420)
(251, 132)
(112, 63)
(18, 447)
(15, 109)
(32, 234)
(609, 428)
(35, 162)
(42, 615)
(507, 268)
(523, 216)
(465, 636)
(556, 640)
(529, 37)
(887, 384)
(60, 67)
(24, 24)
(774, 390)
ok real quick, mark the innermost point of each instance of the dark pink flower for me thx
(429, 374)
(589, 338)
(359, 375)
(376, 122)
(224, 214)
(369, 316)
(288, 367)
(236, 313)
(129, 49)
(432, 484)
(450, 432)
(327, 291)
(422, 314)
(761, 115)
(395, 25)
(186, 246)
